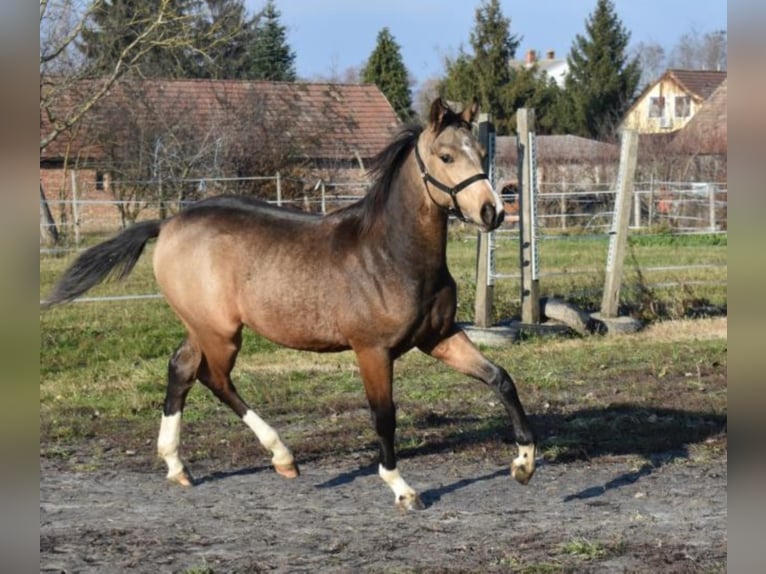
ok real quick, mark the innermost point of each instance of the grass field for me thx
(102, 368)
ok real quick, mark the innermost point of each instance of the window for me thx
(683, 106)
(100, 180)
(656, 107)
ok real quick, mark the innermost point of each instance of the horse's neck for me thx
(413, 220)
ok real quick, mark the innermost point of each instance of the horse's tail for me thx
(115, 257)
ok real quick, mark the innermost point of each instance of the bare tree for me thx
(700, 51)
(653, 61)
(61, 67)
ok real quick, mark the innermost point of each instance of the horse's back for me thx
(230, 261)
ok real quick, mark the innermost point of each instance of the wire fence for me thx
(563, 212)
(681, 207)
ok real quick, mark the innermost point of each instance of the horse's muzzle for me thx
(491, 217)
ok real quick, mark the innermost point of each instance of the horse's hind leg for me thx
(215, 374)
(182, 370)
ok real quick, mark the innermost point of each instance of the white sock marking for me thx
(269, 438)
(393, 479)
(168, 441)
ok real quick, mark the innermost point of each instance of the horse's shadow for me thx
(658, 436)
(428, 497)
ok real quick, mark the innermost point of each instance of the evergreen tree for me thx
(529, 88)
(117, 24)
(270, 56)
(229, 34)
(386, 70)
(494, 47)
(602, 81)
(486, 73)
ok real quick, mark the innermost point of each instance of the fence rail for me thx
(683, 207)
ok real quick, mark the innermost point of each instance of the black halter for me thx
(451, 191)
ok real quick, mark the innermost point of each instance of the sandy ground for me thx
(617, 515)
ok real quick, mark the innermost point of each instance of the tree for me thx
(696, 51)
(602, 81)
(653, 61)
(386, 70)
(72, 83)
(271, 57)
(486, 73)
(529, 88)
(114, 25)
(66, 60)
(231, 34)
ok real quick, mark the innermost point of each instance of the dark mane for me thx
(383, 170)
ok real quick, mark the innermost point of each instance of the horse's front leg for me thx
(376, 366)
(459, 352)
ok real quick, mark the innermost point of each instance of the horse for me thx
(371, 277)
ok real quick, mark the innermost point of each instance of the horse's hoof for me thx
(289, 470)
(523, 466)
(521, 474)
(183, 478)
(407, 502)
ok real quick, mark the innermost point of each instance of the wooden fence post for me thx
(711, 206)
(484, 250)
(75, 208)
(530, 284)
(618, 235)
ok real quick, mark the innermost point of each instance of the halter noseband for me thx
(451, 191)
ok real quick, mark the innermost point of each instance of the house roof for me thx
(556, 68)
(699, 84)
(707, 131)
(558, 149)
(326, 120)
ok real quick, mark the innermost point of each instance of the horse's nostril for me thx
(488, 215)
(491, 217)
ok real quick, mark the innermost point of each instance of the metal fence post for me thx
(279, 190)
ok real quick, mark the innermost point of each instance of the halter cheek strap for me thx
(451, 191)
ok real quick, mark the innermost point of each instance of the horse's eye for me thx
(446, 158)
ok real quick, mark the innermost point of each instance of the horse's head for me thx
(450, 161)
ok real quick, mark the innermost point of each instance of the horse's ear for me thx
(438, 109)
(470, 111)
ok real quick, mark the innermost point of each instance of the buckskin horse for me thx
(371, 277)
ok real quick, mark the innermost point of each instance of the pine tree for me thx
(494, 47)
(602, 81)
(529, 88)
(117, 24)
(271, 57)
(386, 70)
(229, 34)
(486, 73)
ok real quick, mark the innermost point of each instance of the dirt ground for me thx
(105, 506)
(619, 514)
